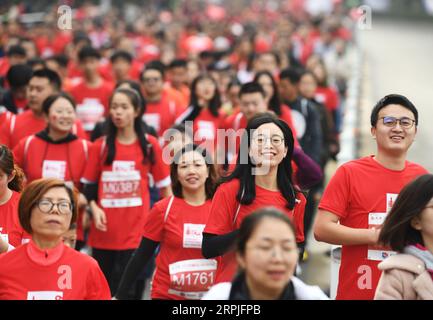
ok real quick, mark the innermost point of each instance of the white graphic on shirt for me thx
(65, 279)
(206, 130)
(192, 235)
(192, 278)
(54, 169)
(376, 220)
(153, 120)
(90, 111)
(4, 237)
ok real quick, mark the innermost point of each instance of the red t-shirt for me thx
(327, 96)
(92, 103)
(61, 273)
(181, 270)
(361, 190)
(162, 114)
(205, 126)
(123, 191)
(41, 159)
(223, 212)
(26, 124)
(10, 227)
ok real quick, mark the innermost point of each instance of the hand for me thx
(374, 235)
(3, 246)
(99, 218)
(82, 201)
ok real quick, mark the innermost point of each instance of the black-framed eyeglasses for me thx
(404, 122)
(275, 140)
(154, 79)
(46, 206)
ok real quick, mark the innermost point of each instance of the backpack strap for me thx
(168, 208)
(239, 207)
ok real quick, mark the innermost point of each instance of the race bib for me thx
(54, 169)
(121, 189)
(377, 252)
(206, 130)
(153, 120)
(45, 295)
(192, 235)
(192, 278)
(90, 111)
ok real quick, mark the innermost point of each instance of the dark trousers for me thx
(113, 264)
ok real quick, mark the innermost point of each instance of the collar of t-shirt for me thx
(44, 257)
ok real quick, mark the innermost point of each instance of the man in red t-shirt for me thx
(362, 192)
(43, 83)
(162, 109)
(92, 92)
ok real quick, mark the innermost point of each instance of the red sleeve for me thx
(222, 211)
(154, 225)
(333, 99)
(298, 217)
(93, 167)
(97, 286)
(336, 195)
(160, 170)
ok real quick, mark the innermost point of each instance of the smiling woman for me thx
(44, 268)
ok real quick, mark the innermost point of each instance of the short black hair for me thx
(16, 50)
(81, 36)
(51, 75)
(88, 52)
(19, 75)
(291, 74)
(392, 99)
(35, 61)
(61, 59)
(121, 54)
(154, 65)
(48, 102)
(178, 63)
(251, 87)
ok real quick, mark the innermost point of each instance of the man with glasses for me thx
(362, 192)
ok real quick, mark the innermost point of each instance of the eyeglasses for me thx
(391, 122)
(151, 79)
(46, 206)
(275, 140)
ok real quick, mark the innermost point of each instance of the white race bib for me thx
(90, 111)
(192, 278)
(377, 252)
(192, 235)
(121, 189)
(45, 295)
(153, 120)
(54, 169)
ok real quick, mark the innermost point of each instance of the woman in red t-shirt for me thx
(11, 182)
(204, 111)
(262, 177)
(44, 268)
(176, 225)
(117, 182)
(56, 152)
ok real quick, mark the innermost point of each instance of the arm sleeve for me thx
(336, 195)
(214, 245)
(137, 262)
(90, 191)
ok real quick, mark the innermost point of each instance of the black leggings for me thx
(113, 263)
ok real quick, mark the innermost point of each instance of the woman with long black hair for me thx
(262, 177)
(116, 184)
(204, 111)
